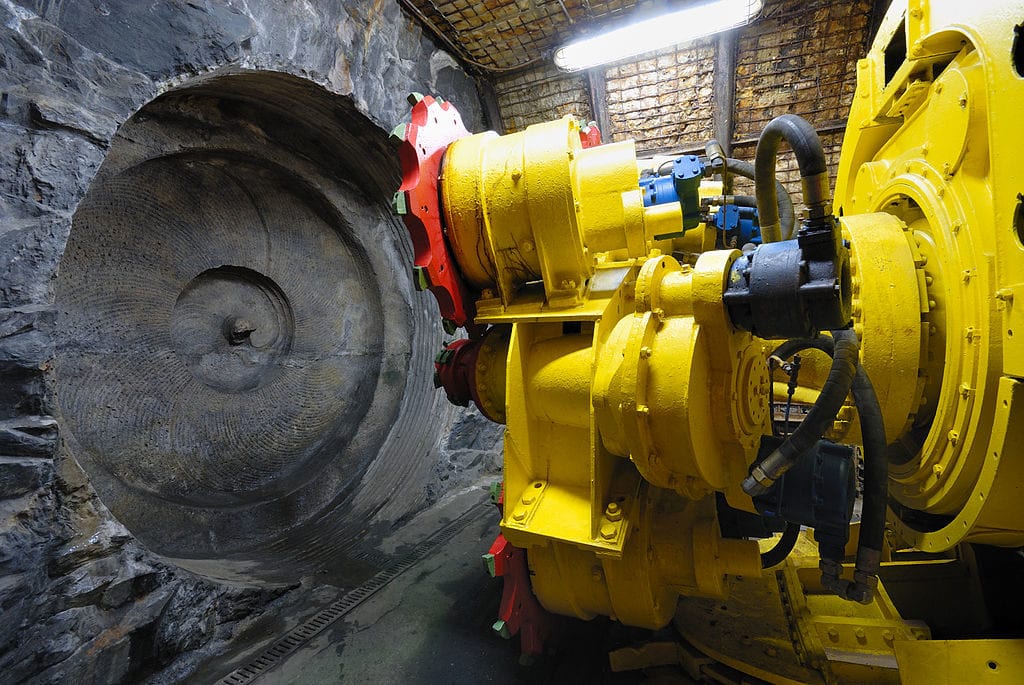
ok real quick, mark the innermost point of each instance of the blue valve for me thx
(682, 186)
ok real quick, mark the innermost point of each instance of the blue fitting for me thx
(738, 225)
(682, 186)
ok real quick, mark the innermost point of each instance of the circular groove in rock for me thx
(238, 351)
(233, 328)
(245, 424)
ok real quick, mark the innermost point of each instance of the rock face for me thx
(107, 106)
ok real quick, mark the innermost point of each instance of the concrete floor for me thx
(432, 623)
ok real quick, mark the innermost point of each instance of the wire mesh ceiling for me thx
(505, 35)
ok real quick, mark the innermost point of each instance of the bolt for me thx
(517, 174)
(658, 312)
(643, 409)
(527, 246)
(928, 280)
(963, 101)
(833, 634)
(860, 635)
(1004, 294)
(613, 512)
(519, 514)
(771, 651)
(888, 637)
(953, 437)
(597, 574)
(528, 497)
(645, 352)
(608, 531)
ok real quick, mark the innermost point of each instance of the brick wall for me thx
(541, 94)
(800, 57)
(663, 102)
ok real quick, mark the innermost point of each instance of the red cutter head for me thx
(433, 126)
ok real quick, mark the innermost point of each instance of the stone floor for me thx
(432, 623)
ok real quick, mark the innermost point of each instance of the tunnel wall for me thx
(81, 598)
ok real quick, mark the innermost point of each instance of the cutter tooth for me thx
(400, 204)
(398, 133)
(414, 98)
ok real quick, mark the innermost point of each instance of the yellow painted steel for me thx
(554, 234)
(630, 400)
(932, 144)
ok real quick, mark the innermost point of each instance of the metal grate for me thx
(327, 616)
(509, 34)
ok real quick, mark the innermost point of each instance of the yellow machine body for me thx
(631, 401)
(620, 408)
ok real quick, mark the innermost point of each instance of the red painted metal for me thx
(433, 126)
(590, 135)
(455, 371)
(520, 612)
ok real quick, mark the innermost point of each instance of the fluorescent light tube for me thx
(656, 33)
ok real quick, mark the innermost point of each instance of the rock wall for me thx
(81, 598)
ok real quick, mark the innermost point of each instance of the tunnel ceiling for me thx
(237, 345)
(505, 35)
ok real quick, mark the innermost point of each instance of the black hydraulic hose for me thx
(819, 418)
(785, 215)
(740, 200)
(876, 484)
(810, 157)
(783, 547)
(876, 489)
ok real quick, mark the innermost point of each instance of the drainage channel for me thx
(306, 631)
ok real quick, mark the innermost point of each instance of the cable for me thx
(778, 553)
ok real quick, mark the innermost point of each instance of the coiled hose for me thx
(819, 418)
(810, 157)
(876, 485)
(785, 214)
